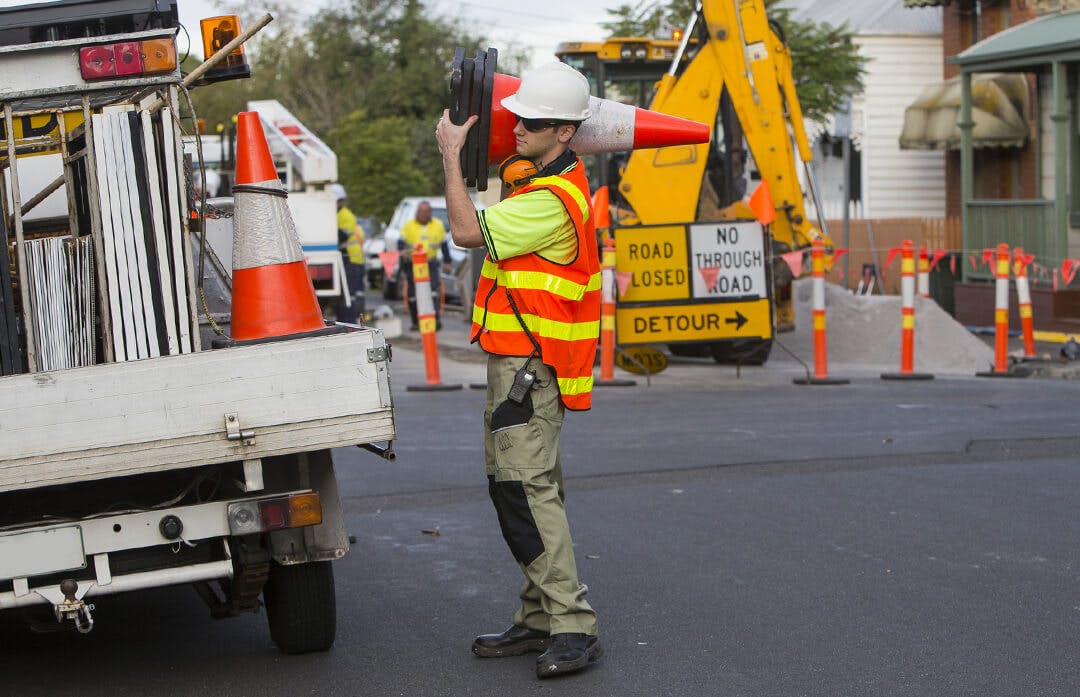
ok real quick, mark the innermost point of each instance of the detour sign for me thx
(698, 282)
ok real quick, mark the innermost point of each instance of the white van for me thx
(406, 211)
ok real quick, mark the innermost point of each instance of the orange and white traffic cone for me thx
(601, 203)
(907, 313)
(1001, 319)
(821, 361)
(611, 127)
(272, 293)
(425, 319)
(1021, 262)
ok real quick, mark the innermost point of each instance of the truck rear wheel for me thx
(301, 607)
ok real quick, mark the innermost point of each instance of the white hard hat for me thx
(553, 91)
(338, 190)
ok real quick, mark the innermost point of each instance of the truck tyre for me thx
(301, 607)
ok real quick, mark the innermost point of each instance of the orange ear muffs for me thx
(517, 171)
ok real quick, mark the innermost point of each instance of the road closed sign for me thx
(698, 282)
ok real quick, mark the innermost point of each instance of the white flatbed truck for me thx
(133, 455)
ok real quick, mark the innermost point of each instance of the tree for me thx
(826, 65)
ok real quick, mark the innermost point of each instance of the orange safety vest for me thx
(560, 304)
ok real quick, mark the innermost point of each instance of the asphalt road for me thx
(739, 536)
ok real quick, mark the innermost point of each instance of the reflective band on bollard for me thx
(1001, 320)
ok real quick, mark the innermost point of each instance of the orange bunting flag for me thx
(1055, 280)
(988, 257)
(709, 274)
(622, 281)
(952, 265)
(974, 262)
(841, 251)
(794, 262)
(762, 204)
(389, 262)
(939, 254)
(892, 255)
(1068, 271)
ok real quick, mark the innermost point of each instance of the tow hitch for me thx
(68, 604)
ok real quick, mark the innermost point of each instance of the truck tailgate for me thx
(166, 413)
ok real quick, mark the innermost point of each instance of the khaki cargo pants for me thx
(525, 483)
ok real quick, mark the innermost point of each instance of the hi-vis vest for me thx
(560, 304)
(354, 243)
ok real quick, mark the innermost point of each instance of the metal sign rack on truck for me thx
(134, 455)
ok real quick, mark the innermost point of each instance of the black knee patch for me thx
(516, 520)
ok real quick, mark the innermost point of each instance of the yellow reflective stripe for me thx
(546, 328)
(569, 386)
(569, 188)
(540, 280)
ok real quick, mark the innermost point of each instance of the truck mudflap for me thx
(242, 403)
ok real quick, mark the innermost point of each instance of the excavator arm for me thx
(739, 80)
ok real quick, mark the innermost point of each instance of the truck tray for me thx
(159, 414)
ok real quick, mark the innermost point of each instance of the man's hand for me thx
(451, 138)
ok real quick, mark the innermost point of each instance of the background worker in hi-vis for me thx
(537, 315)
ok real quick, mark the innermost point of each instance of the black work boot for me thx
(568, 653)
(513, 642)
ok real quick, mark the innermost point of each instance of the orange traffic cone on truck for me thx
(272, 291)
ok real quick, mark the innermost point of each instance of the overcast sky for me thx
(538, 26)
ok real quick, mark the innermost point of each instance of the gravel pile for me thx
(864, 333)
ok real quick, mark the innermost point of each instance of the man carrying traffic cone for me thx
(272, 291)
(537, 315)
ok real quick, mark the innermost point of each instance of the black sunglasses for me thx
(537, 125)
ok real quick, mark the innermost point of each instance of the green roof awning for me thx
(1000, 108)
(1046, 39)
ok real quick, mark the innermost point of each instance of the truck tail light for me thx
(321, 272)
(96, 62)
(127, 59)
(159, 55)
(277, 513)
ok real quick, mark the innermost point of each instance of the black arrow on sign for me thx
(738, 320)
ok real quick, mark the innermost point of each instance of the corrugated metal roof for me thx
(868, 16)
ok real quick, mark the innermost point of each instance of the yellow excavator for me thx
(699, 273)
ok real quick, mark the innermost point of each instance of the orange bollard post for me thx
(425, 318)
(924, 272)
(1023, 296)
(607, 293)
(1001, 319)
(907, 313)
(821, 363)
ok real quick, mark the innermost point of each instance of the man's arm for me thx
(464, 227)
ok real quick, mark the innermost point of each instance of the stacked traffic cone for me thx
(602, 215)
(272, 294)
(611, 127)
(477, 90)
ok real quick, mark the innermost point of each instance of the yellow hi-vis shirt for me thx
(431, 236)
(354, 245)
(542, 214)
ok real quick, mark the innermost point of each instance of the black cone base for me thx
(907, 376)
(439, 387)
(821, 381)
